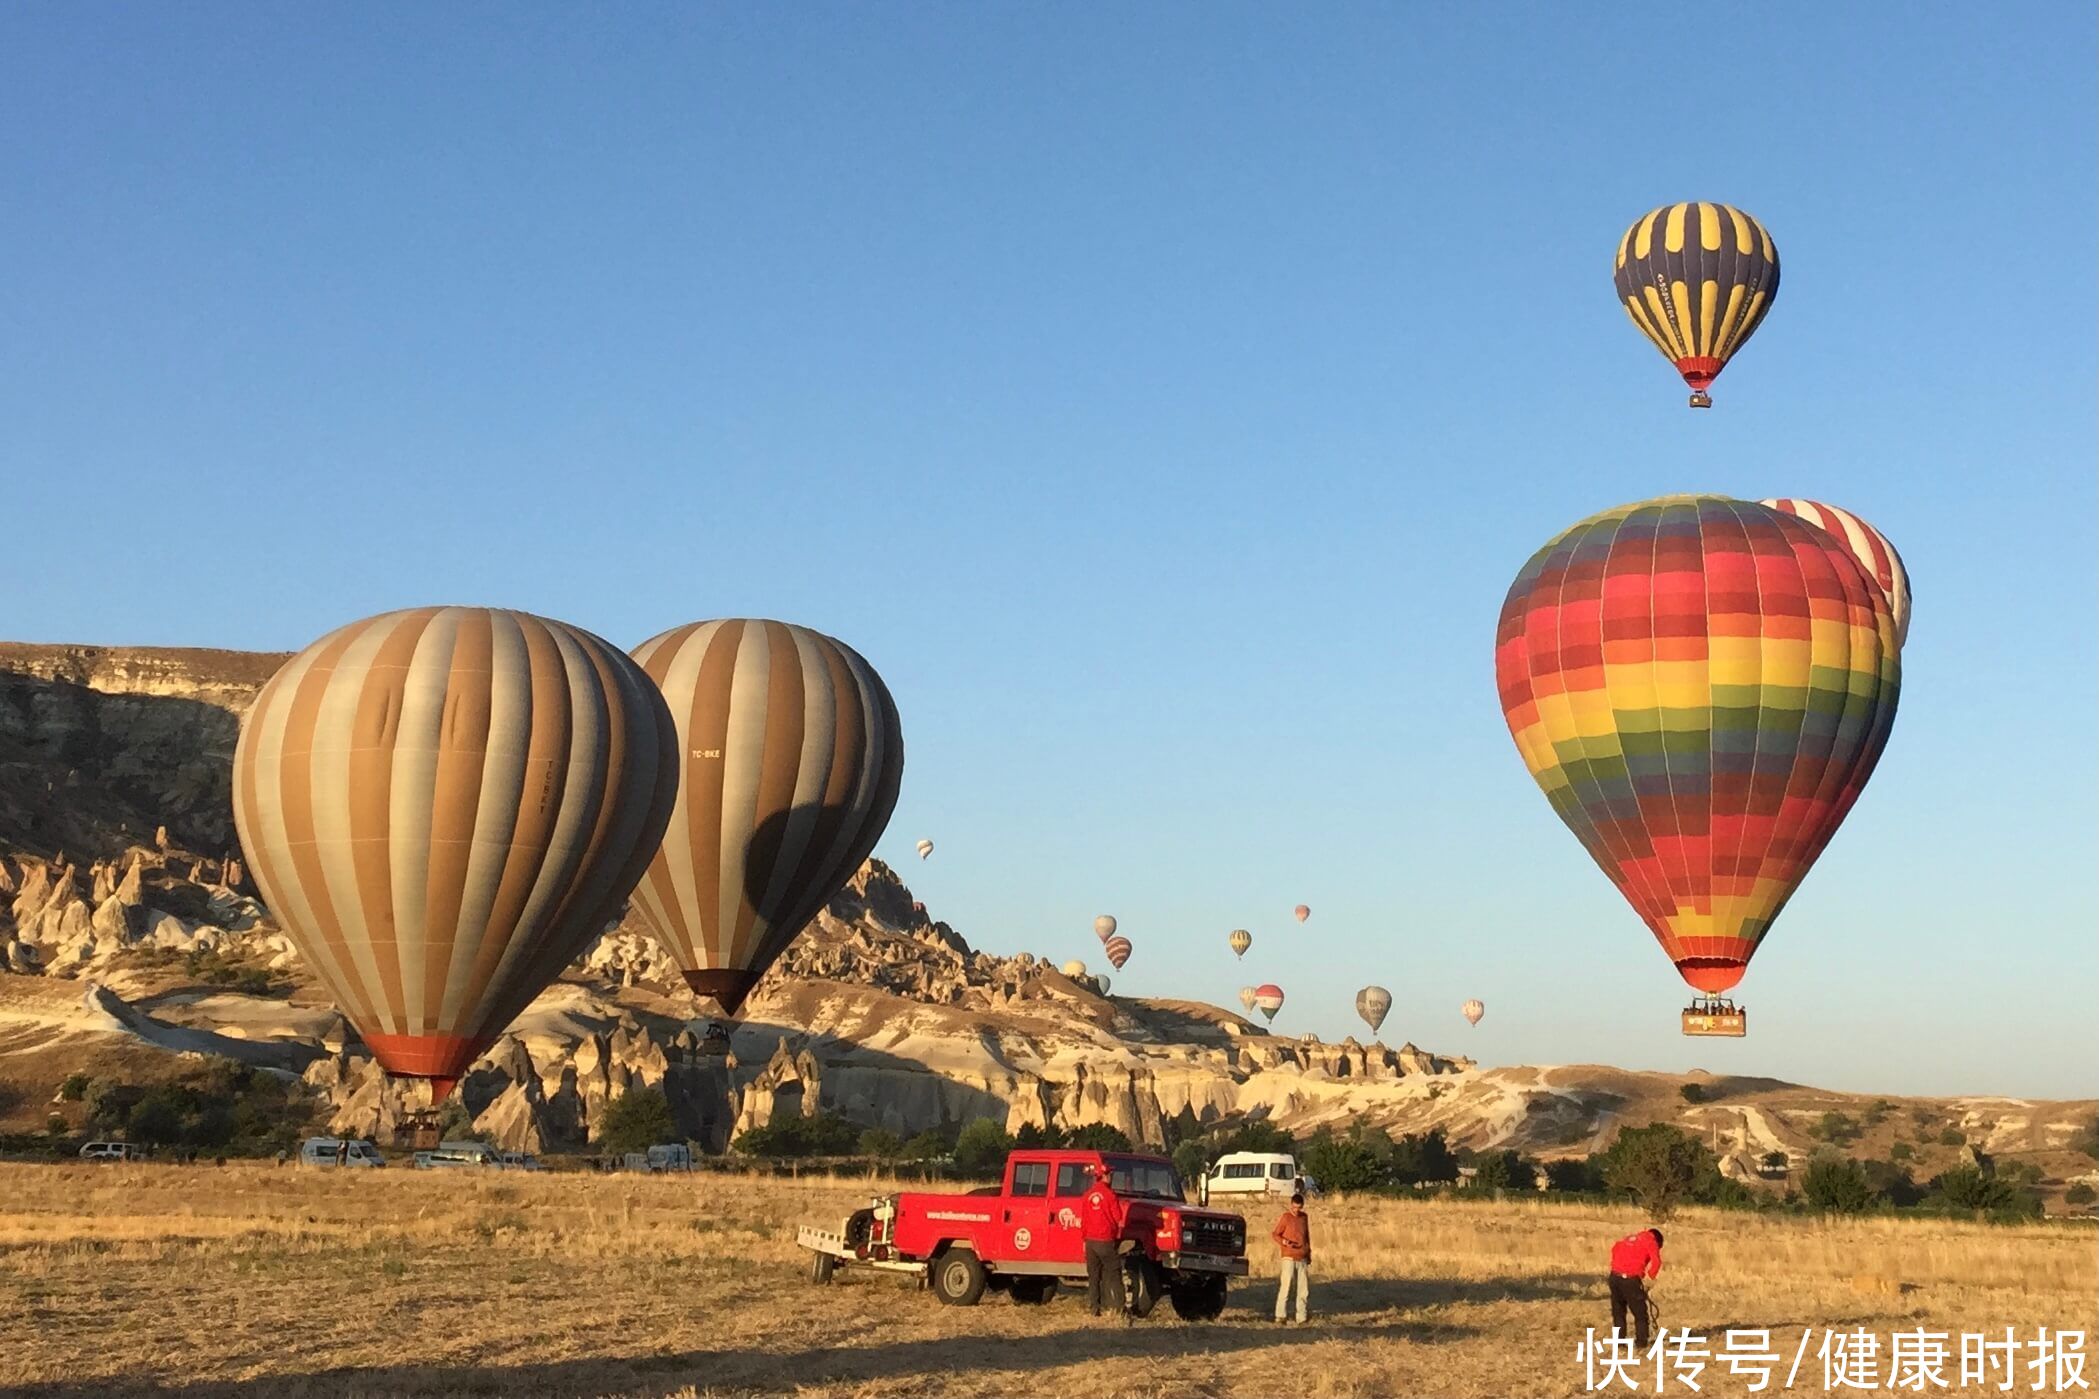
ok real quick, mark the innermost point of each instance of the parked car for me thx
(518, 1161)
(110, 1151)
(448, 1155)
(667, 1156)
(1251, 1173)
(328, 1151)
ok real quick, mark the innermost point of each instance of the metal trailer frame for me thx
(832, 1243)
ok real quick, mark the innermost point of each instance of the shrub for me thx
(1901, 1151)
(1190, 1162)
(2088, 1142)
(637, 1120)
(1099, 1136)
(1341, 1164)
(1580, 1175)
(1952, 1136)
(2079, 1194)
(981, 1147)
(792, 1135)
(1660, 1167)
(1774, 1161)
(74, 1088)
(1691, 1092)
(928, 1145)
(1259, 1135)
(1503, 1170)
(1423, 1156)
(1835, 1128)
(1892, 1183)
(1036, 1138)
(881, 1143)
(1967, 1190)
(1837, 1185)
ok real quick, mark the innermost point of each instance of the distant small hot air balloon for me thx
(1247, 995)
(1240, 941)
(1268, 999)
(925, 848)
(1104, 983)
(1373, 1003)
(1473, 1010)
(1865, 544)
(1104, 926)
(1302, 912)
(1697, 279)
(1118, 949)
(1074, 969)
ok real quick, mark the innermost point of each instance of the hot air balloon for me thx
(1247, 996)
(1104, 983)
(1373, 1003)
(1118, 949)
(925, 848)
(1697, 279)
(1302, 912)
(792, 756)
(1240, 940)
(442, 807)
(1268, 999)
(1472, 1011)
(1701, 687)
(1104, 926)
(1074, 969)
(1866, 544)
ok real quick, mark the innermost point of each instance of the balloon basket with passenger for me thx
(1715, 1015)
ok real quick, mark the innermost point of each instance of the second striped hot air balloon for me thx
(791, 756)
(1697, 279)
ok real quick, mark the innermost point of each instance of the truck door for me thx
(1067, 1193)
(1024, 1213)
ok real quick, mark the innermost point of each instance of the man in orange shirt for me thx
(1293, 1241)
(1634, 1259)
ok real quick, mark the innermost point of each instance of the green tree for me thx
(1503, 1170)
(980, 1149)
(1257, 1135)
(1098, 1136)
(1837, 1185)
(1190, 1162)
(1892, 1183)
(1576, 1175)
(1423, 1156)
(929, 1145)
(2088, 1141)
(1901, 1151)
(637, 1120)
(793, 1135)
(1659, 1166)
(881, 1143)
(1691, 1092)
(158, 1119)
(1968, 1190)
(2079, 1194)
(1774, 1161)
(74, 1088)
(1836, 1128)
(1952, 1136)
(1340, 1163)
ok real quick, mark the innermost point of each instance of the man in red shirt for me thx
(1634, 1259)
(1101, 1217)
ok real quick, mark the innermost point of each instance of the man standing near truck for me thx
(1293, 1241)
(1101, 1216)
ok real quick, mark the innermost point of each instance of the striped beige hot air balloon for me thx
(443, 806)
(1118, 951)
(1247, 995)
(1867, 545)
(792, 754)
(1472, 1011)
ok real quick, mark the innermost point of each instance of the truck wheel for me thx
(1199, 1300)
(859, 1227)
(958, 1278)
(1033, 1292)
(1143, 1285)
(821, 1268)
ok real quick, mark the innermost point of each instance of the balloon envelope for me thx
(1701, 688)
(1301, 912)
(1104, 982)
(792, 756)
(1865, 544)
(1472, 1011)
(925, 848)
(1697, 280)
(1373, 1003)
(1268, 999)
(1104, 926)
(1246, 997)
(1118, 950)
(442, 807)
(1240, 940)
(1074, 969)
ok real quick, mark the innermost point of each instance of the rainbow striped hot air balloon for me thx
(1701, 686)
(1697, 279)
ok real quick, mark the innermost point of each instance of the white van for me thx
(109, 1151)
(328, 1151)
(446, 1155)
(1251, 1173)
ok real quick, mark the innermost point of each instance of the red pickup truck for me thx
(1022, 1236)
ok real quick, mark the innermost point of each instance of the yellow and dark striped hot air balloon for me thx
(792, 755)
(443, 806)
(1697, 279)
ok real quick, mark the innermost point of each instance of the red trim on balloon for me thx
(1699, 370)
(1711, 975)
(441, 1058)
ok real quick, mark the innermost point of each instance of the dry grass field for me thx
(258, 1280)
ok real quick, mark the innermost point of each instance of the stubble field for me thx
(260, 1280)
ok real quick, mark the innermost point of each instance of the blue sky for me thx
(1161, 397)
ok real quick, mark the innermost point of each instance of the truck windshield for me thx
(1133, 1175)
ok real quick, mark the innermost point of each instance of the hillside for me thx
(132, 940)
